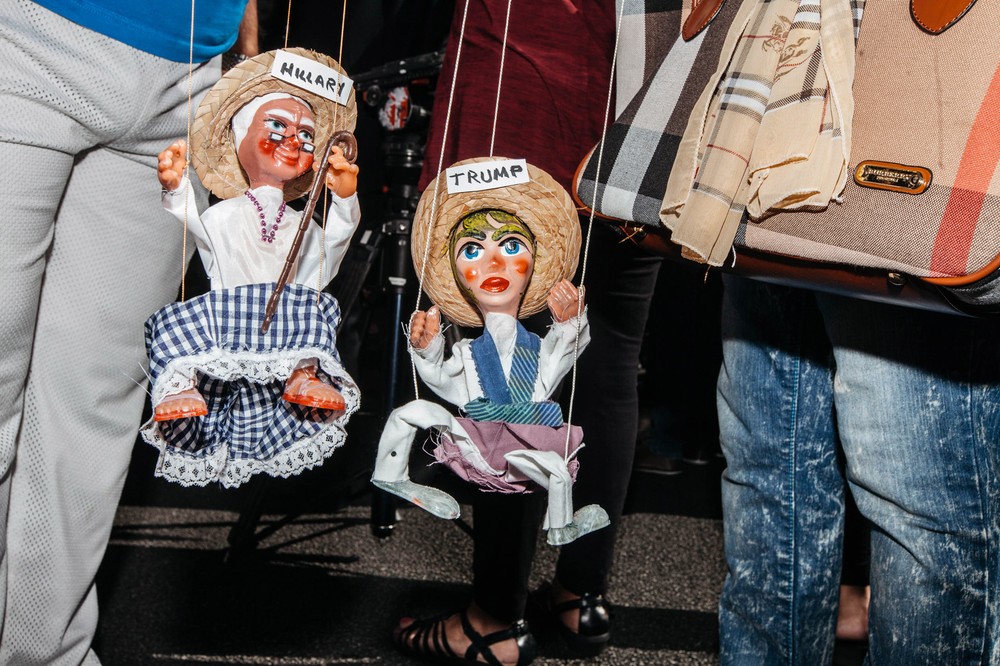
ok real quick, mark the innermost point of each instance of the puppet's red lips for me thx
(494, 285)
(287, 158)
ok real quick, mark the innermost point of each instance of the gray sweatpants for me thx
(86, 254)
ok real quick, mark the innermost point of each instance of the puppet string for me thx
(322, 250)
(326, 198)
(437, 183)
(187, 147)
(288, 23)
(503, 57)
(590, 224)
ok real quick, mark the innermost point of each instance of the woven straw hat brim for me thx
(542, 204)
(213, 153)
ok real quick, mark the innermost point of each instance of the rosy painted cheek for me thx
(522, 266)
(306, 161)
(470, 275)
(266, 147)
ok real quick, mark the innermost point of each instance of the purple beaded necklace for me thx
(266, 236)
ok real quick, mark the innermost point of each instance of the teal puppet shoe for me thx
(586, 520)
(437, 502)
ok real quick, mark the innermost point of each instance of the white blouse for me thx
(455, 379)
(228, 237)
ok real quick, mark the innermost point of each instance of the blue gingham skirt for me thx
(214, 342)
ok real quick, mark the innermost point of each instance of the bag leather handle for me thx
(936, 16)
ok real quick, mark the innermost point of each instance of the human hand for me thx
(424, 327)
(170, 169)
(565, 301)
(342, 176)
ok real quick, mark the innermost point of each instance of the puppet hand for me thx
(170, 169)
(342, 176)
(424, 327)
(565, 301)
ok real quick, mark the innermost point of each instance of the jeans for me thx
(914, 399)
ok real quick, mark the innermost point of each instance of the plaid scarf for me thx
(774, 133)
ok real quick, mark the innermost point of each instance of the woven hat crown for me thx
(542, 204)
(213, 153)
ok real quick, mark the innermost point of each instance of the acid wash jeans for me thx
(913, 398)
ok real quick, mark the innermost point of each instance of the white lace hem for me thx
(200, 470)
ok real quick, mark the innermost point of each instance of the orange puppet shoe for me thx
(305, 388)
(184, 405)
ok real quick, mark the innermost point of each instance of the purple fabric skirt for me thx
(495, 439)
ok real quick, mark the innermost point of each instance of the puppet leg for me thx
(392, 465)
(548, 469)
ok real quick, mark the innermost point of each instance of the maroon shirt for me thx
(555, 84)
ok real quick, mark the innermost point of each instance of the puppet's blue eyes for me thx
(471, 251)
(512, 246)
(274, 125)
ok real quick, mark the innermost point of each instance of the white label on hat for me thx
(486, 175)
(313, 76)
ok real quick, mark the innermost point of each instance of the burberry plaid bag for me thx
(920, 218)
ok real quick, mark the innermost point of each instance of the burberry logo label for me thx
(894, 177)
(486, 175)
(310, 75)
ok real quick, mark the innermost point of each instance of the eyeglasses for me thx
(304, 146)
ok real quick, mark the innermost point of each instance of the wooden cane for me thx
(349, 145)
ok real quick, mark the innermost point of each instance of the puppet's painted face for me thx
(279, 144)
(493, 255)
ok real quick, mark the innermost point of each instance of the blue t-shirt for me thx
(160, 27)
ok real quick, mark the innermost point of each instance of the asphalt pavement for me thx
(287, 571)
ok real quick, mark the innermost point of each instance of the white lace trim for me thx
(190, 470)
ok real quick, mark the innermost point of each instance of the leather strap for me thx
(480, 646)
(936, 16)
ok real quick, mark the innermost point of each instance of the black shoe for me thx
(650, 463)
(426, 639)
(594, 627)
(697, 456)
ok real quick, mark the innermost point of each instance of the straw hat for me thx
(213, 153)
(542, 204)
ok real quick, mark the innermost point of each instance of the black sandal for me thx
(427, 640)
(594, 625)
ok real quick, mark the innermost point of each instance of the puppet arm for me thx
(181, 204)
(446, 377)
(342, 221)
(557, 353)
(178, 196)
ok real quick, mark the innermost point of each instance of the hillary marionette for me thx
(230, 399)
(494, 255)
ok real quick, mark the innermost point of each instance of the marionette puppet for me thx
(232, 395)
(494, 255)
